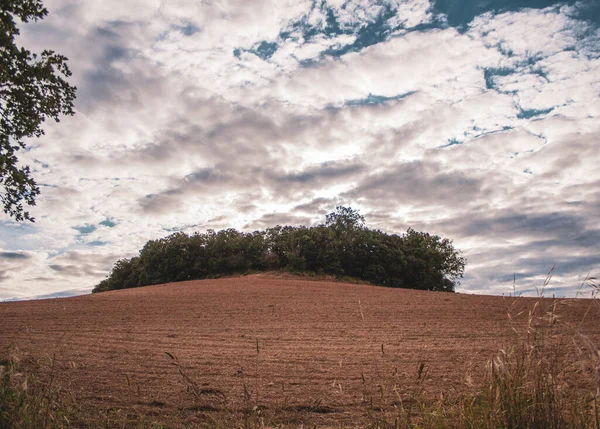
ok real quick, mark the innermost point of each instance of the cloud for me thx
(13, 255)
(325, 171)
(320, 206)
(417, 182)
(270, 220)
(477, 121)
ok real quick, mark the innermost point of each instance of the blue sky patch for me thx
(264, 50)
(85, 229)
(97, 243)
(372, 99)
(532, 113)
(369, 34)
(461, 12)
(491, 73)
(188, 29)
(108, 222)
(587, 10)
(451, 142)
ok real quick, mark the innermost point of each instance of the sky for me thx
(469, 119)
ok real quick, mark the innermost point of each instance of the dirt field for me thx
(308, 352)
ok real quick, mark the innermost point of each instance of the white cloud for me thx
(175, 131)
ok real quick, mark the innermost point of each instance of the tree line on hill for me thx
(342, 247)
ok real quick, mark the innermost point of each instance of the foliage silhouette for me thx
(32, 89)
(341, 247)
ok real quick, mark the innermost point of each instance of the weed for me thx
(193, 387)
(29, 396)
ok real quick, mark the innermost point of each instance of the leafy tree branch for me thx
(33, 88)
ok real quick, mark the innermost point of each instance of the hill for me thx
(289, 350)
(342, 247)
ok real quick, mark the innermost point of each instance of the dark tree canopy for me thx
(341, 247)
(32, 88)
(344, 218)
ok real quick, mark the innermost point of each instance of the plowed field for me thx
(305, 351)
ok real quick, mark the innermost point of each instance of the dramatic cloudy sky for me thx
(474, 120)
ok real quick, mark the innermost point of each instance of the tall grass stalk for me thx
(545, 377)
(29, 397)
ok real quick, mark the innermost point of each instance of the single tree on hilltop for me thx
(344, 218)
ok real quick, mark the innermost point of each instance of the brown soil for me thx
(305, 351)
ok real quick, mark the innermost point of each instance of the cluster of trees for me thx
(342, 246)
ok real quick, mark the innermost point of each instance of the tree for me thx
(344, 218)
(434, 264)
(341, 247)
(33, 88)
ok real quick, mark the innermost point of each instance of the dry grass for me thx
(29, 394)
